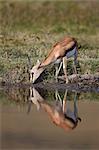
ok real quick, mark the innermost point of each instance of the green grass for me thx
(32, 27)
(54, 16)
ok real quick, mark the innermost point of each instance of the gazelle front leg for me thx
(65, 68)
(64, 101)
(57, 71)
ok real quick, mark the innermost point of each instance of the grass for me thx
(32, 27)
(53, 16)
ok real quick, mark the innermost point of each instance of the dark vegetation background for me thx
(32, 27)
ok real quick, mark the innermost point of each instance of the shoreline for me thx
(80, 86)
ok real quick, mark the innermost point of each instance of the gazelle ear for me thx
(38, 61)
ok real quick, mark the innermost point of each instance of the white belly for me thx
(58, 61)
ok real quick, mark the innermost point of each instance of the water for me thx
(27, 121)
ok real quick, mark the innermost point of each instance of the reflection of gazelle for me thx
(59, 53)
(71, 116)
(57, 112)
(35, 97)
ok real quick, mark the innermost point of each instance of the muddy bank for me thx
(80, 83)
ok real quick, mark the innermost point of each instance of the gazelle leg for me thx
(75, 108)
(75, 62)
(57, 96)
(58, 70)
(65, 68)
(60, 99)
(64, 101)
(74, 66)
(75, 69)
(75, 72)
(60, 67)
(56, 73)
(75, 105)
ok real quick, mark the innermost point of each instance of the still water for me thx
(37, 119)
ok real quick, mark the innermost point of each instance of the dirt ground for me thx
(81, 83)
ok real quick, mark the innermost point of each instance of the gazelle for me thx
(59, 54)
(57, 112)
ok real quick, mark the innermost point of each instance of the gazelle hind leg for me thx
(76, 108)
(75, 62)
(65, 68)
(75, 105)
(75, 69)
(75, 65)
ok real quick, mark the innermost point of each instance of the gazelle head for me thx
(35, 72)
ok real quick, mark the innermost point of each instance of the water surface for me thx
(23, 126)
